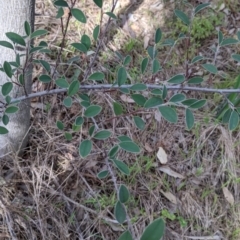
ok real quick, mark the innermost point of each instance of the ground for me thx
(53, 193)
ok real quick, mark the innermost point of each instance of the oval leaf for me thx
(38, 33)
(11, 109)
(236, 57)
(139, 99)
(61, 82)
(177, 79)
(155, 66)
(177, 98)
(189, 119)
(168, 113)
(45, 78)
(233, 121)
(126, 236)
(3, 130)
(6, 44)
(153, 102)
(79, 15)
(181, 15)
(121, 76)
(210, 68)
(195, 80)
(139, 122)
(101, 135)
(138, 87)
(99, 3)
(117, 108)
(154, 231)
(113, 151)
(73, 88)
(85, 148)
(103, 174)
(79, 46)
(121, 166)
(201, 7)
(96, 32)
(92, 111)
(144, 65)
(16, 38)
(123, 194)
(158, 35)
(96, 76)
(119, 212)
(129, 147)
(67, 102)
(7, 88)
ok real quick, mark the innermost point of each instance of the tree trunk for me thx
(13, 14)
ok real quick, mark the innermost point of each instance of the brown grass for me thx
(52, 193)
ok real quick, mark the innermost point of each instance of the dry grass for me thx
(52, 193)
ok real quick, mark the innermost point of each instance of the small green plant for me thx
(157, 98)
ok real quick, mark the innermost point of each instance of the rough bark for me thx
(13, 14)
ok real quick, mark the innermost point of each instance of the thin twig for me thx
(110, 86)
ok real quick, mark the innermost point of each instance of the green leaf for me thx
(35, 49)
(124, 90)
(62, 83)
(38, 33)
(86, 41)
(61, 3)
(92, 111)
(198, 104)
(96, 32)
(154, 231)
(168, 42)
(45, 78)
(179, 97)
(124, 138)
(157, 92)
(195, 80)
(14, 37)
(228, 41)
(7, 88)
(139, 99)
(96, 76)
(182, 16)
(226, 116)
(8, 99)
(79, 15)
(210, 68)
(189, 101)
(5, 119)
(113, 151)
(67, 101)
(85, 148)
(60, 125)
(102, 135)
(138, 87)
(127, 60)
(79, 46)
(11, 109)
(103, 174)
(122, 167)
(123, 194)
(73, 88)
(139, 122)
(152, 52)
(155, 66)
(238, 35)
(119, 212)
(85, 104)
(6, 44)
(169, 114)
(125, 236)
(233, 121)
(236, 57)
(117, 108)
(130, 147)
(68, 136)
(144, 65)
(60, 13)
(91, 130)
(201, 7)
(3, 130)
(27, 28)
(153, 102)
(189, 118)
(220, 37)
(45, 65)
(7, 69)
(196, 59)
(99, 3)
(111, 14)
(177, 79)
(79, 121)
(158, 35)
(164, 93)
(121, 76)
